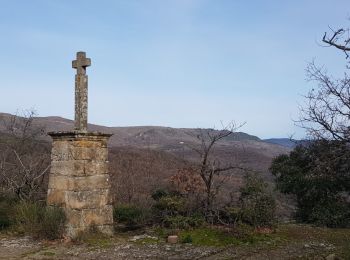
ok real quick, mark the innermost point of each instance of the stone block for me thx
(88, 143)
(70, 183)
(56, 197)
(87, 199)
(69, 168)
(79, 168)
(72, 231)
(61, 151)
(90, 182)
(96, 167)
(173, 239)
(100, 216)
(106, 229)
(86, 153)
(74, 217)
(59, 182)
(53, 178)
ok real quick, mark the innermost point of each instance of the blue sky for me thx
(179, 63)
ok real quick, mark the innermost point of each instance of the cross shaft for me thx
(81, 91)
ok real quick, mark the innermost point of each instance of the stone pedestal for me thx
(79, 181)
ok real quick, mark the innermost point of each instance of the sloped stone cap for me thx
(78, 134)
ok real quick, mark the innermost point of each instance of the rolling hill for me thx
(147, 156)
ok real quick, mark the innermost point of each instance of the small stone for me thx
(173, 239)
(139, 237)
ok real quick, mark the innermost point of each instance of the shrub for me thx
(39, 221)
(260, 211)
(157, 194)
(229, 215)
(330, 213)
(319, 176)
(170, 205)
(52, 223)
(187, 239)
(4, 218)
(172, 210)
(182, 222)
(258, 206)
(6, 210)
(27, 217)
(130, 215)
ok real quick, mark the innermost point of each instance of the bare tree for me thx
(137, 172)
(326, 113)
(24, 160)
(211, 171)
(339, 39)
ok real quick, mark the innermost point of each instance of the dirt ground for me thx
(292, 242)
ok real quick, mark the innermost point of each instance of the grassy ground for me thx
(336, 240)
(287, 242)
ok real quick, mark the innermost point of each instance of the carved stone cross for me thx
(81, 91)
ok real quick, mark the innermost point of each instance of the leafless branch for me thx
(24, 160)
(326, 113)
(210, 169)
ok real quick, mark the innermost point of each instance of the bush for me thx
(39, 221)
(130, 215)
(258, 206)
(170, 205)
(260, 211)
(331, 213)
(187, 239)
(172, 210)
(6, 210)
(52, 223)
(319, 176)
(27, 217)
(157, 194)
(182, 222)
(229, 215)
(4, 218)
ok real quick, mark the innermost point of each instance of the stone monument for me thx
(79, 179)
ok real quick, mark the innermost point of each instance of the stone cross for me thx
(81, 91)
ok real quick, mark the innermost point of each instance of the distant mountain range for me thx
(238, 147)
(147, 135)
(286, 142)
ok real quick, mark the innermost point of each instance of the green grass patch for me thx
(99, 242)
(48, 253)
(339, 238)
(212, 236)
(208, 237)
(95, 239)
